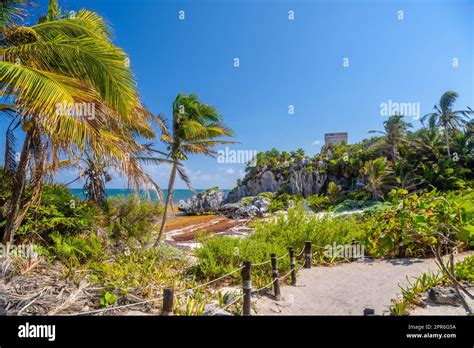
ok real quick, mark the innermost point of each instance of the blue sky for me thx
(290, 62)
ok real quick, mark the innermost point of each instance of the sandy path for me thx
(347, 289)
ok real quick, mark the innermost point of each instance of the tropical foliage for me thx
(50, 73)
(195, 130)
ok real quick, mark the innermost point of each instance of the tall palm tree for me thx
(445, 117)
(67, 61)
(196, 128)
(395, 129)
(377, 173)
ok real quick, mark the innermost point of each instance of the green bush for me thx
(413, 223)
(318, 202)
(132, 219)
(75, 250)
(349, 204)
(359, 195)
(220, 255)
(60, 212)
(465, 269)
(148, 269)
(268, 195)
(282, 201)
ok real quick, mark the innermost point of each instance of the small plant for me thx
(107, 298)
(333, 192)
(318, 202)
(411, 292)
(133, 219)
(75, 250)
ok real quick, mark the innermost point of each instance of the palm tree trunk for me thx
(169, 200)
(446, 135)
(394, 155)
(18, 188)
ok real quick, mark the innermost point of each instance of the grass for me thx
(410, 294)
(220, 255)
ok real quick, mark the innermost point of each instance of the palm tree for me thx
(195, 129)
(67, 61)
(395, 131)
(448, 119)
(377, 172)
(96, 172)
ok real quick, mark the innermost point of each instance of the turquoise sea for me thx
(178, 194)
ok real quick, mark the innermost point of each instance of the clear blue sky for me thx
(285, 62)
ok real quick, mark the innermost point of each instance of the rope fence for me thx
(169, 295)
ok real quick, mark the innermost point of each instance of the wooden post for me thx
(276, 281)
(247, 287)
(369, 312)
(168, 301)
(307, 254)
(292, 266)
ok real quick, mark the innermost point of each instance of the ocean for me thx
(178, 194)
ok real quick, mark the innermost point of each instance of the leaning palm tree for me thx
(448, 119)
(377, 173)
(195, 129)
(46, 71)
(395, 129)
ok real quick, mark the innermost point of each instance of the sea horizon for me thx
(178, 194)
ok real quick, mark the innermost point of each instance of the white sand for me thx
(347, 289)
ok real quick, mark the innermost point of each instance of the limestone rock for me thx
(444, 296)
(203, 202)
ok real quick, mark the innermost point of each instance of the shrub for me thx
(465, 269)
(220, 255)
(75, 250)
(333, 192)
(148, 269)
(414, 223)
(318, 202)
(268, 195)
(359, 195)
(349, 204)
(132, 219)
(60, 212)
(283, 201)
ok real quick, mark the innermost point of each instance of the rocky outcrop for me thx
(300, 180)
(444, 296)
(246, 208)
(203, 202)
(210, 201)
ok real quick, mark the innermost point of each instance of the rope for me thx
(117, 307)
(296, 270)
(230, 304)
(263, 287)
(301, 253)
(279, 258)
(261, 263)
(210, 282)
(157, 298)
(268, 261)
(194, 288)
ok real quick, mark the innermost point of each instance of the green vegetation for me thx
(415, 185)
(410, 294)
(196, 129)
(220, 255)
(131, 219)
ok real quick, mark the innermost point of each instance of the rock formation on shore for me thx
(300, 180)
